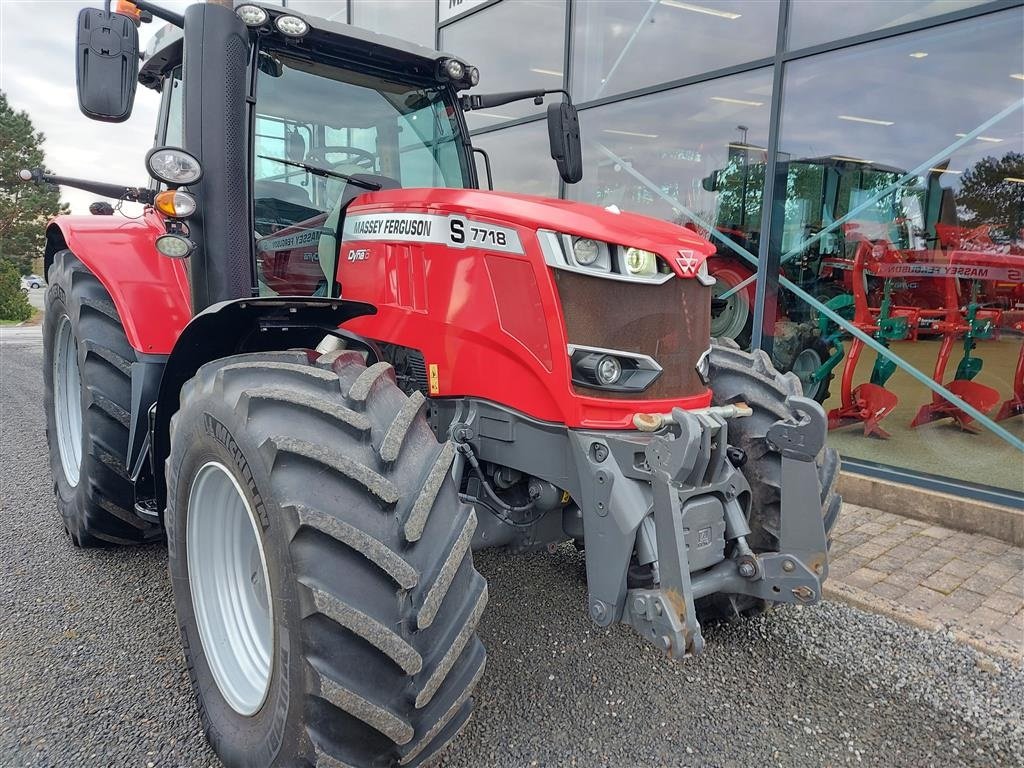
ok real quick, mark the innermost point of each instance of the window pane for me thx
(904, 209)
(312, 131)
(411, 20)
(693, 155)
(621, 45)
(520, 160)
(336, 10)
(175, 112)
(813, 21)
(516, 46)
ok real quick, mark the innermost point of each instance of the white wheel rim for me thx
(732, 319)
(67, 401)
(804, 366)
(227, 574)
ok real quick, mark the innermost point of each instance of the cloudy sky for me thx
(37, 72)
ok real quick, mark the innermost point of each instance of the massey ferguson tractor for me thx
(327, 367)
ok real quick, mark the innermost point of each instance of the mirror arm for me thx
(488, 100)
(115, 191)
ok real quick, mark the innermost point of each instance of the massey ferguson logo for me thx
(358, 254)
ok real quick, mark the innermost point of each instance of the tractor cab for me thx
(311, 113)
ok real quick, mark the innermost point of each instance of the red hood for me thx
(628, 229)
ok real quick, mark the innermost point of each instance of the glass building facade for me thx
(860, 166)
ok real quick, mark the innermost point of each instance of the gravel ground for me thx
(91, 674)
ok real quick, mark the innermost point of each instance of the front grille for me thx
(670, 322)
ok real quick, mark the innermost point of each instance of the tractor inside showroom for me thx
(327, 367)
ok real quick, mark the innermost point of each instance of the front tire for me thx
(738, 376)
(87, 394)
(371, 598)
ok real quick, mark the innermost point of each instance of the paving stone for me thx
(981, 582)
(985, 618)
(869, 549)
(964, 600)
(903, 579)
(888, 541)
(888, 518)
(922, 598)
(865, 577)
(937, 532)
(990, 546)
(903, 552)
(871, 528)
(1004, 602)
(943, 582)
(961, 568)
(886, 563)
(888, 590)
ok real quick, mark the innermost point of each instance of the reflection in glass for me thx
(812, 21)
(904, 213)
(516, 46)
(335, 10)
(695, 156)
(411, 20)
(520, 160)
(621, 45)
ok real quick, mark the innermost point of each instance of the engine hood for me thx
(532, 212)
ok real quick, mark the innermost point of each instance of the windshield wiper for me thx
(318, 171)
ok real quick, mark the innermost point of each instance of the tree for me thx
(24, 208)
(13, 304)
(992, 192)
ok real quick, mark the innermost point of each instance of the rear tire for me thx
(374, 600)
(87, 380)
(738, 376)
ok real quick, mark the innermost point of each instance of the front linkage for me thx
(698, 494)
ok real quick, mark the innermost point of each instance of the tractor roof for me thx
(343, 43)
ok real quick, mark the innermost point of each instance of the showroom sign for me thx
(450, 9)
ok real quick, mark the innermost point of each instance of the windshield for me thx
(346, 122)
(350, 123)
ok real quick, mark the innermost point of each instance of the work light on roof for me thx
(474, 76)
(252, 15)
(455, 69)
(292, 26)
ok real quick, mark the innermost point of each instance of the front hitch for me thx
(692, 461)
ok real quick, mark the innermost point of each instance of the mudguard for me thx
(150, 291)
(231, 328)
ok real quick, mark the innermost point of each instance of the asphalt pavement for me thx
(91, 673)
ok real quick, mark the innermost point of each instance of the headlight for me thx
(174, 167)
(639, 263)
(585, 251)
(474, 76)
(608, 371)
(591, 256)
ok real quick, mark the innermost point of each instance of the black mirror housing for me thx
(107, 66)
(564, 137)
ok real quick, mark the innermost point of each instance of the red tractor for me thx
(470, 370)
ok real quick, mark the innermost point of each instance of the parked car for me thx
(32, 281)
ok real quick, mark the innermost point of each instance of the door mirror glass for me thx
(107, 65)
(564, 136)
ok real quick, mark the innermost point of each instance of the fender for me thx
(231, 328)
(150, 291)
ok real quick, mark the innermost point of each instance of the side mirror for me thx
(564, 137)
(107, 65)
(710, 183)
